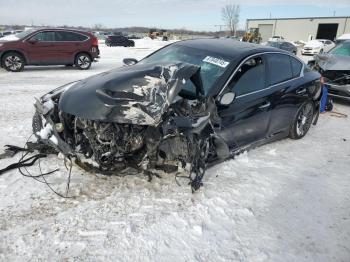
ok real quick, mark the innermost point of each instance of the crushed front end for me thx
(143, 125)
(336, 72)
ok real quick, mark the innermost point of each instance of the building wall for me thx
(300, 29)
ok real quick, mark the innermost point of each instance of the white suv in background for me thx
(317, 46)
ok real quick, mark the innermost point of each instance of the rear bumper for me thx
(95, 52)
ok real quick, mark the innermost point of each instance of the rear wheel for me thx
(13, 62)
(83, 61)
(302, 121)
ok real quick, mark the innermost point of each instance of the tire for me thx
(83, 61)
(302, 121)
(13, 62)
(329, 106)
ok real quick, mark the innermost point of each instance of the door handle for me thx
(301, 91)
(265, 105)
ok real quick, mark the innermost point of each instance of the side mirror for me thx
(32, 41)
(129, 61)
(227, 98)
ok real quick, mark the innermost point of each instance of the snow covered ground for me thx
(285, 201)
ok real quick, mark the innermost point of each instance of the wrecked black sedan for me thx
(186, 105)
(334, 66)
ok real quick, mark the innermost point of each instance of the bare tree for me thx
(98, 27)
(230, 15)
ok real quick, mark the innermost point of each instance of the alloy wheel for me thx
(13, 62)
(83, 61)
(304, 119)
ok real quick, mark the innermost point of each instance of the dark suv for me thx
(118, 40)
(49, 47)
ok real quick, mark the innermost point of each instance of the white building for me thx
(306, 28)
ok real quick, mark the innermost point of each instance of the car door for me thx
(42, 48)
(68, 44)
(285, 81)
(118, 41)
(246, 119)
(124, 41)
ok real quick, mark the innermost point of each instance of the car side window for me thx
(47, 36)
(69, 37)
(279, 68)
(296, 66)
(250, 77)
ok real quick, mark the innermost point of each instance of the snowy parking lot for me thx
(285, 201)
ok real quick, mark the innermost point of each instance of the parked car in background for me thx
(118, 40)
(8, 33)
(284, 46)
(49, 47)
(298, 43)
(5, 33)
(133, 37)
(335, 69)
(317, 46)
(277, 38)
(187, 104)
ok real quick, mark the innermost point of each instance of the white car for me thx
(317, 46)
(277, 38)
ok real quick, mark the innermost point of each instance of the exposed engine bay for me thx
(336, 72)
(138, 119)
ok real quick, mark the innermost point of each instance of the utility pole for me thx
(220, 26)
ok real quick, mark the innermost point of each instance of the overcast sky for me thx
(189, 14)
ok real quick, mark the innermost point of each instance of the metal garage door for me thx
(265, 32)
(327, 31)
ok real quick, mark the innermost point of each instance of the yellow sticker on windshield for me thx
(216, 61)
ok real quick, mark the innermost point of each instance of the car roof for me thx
(62, 29)
(344, 37)
(228, 47)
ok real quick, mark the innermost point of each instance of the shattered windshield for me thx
(212, 65)
(341, 49)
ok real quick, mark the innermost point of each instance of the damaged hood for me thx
(137, 94)
(333, 62)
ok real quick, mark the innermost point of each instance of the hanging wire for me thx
(41, 175)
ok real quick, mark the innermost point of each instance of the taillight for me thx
(95, 41)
